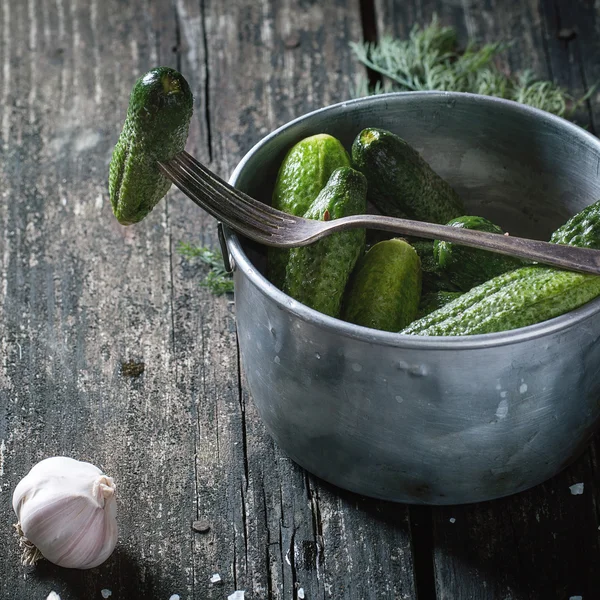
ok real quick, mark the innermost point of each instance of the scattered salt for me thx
(576, 489)
(216, 578)
(105, 593)
(301, 593)
(452, 520)
(53, 596)
(237, 595)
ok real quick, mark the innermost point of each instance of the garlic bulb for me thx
(67, 513)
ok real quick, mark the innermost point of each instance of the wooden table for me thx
(112, 353)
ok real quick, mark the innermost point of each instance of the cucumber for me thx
(303, 173)
(401, 183)
(515, 299)
(583, 229)
(316, 275)
(385, 288)
(467, 267)
(155, 129)
(434, 300)
(524, 296)
(434, 278)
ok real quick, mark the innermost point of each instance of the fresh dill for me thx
(218, 280)
(430, 59)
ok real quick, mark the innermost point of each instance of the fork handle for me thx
(573, 258)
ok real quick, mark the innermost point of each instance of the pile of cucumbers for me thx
(412, 286)
(417, 287)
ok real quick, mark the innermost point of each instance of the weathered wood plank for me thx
(577, 27)
(83, 295)
(542, 543)
(275, 530)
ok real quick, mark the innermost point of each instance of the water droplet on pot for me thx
(317, 356)
(356, 367)
(418, 370)
(277, 360)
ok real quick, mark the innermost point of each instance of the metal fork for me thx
(271, 227)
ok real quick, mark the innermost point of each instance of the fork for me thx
(266, 225)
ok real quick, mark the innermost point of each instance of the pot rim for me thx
(375, 336)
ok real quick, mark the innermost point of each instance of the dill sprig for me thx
(430, 60)
(217, 280)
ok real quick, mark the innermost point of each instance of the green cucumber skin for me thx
(385, 288)
(583, 229)
(515, 299)
(467, 267)
(434, 300)
(317, 275)
(434, 278)
(305, 170)
(401, 183)
(155, 129)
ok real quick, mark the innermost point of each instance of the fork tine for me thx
(218, 198)
(224, 192)
(252, 227)
(210, 196)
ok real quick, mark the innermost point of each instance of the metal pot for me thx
(430, 420)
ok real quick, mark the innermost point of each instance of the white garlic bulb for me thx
(67, 513)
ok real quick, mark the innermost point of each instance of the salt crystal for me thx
(576, 598)
(53, 596)
(174, 597)
(216, 578)
(452, 520)
(301, 593)
(576, 489)
(106, 593)
(237, 595)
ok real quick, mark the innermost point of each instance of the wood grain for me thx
(83, 295)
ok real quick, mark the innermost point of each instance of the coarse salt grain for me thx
(237, 595)
(576, 598)
(106, 593)
(216, 578)
(53, 596)
(452, 520)
(576, 489)
(174, 597)
(301, 593)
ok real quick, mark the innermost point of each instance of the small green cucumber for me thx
(583, 229)
(305, 170)
(434, 278)
(467, 267)
(155, 129)
(401, 183)
(515, 299)
(316, 275)
(434, 300)
(385, 288)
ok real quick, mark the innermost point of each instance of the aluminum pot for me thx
(430, 420)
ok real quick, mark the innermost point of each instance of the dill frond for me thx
(431, 60)
(218, 280)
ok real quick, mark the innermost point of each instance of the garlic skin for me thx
(67, 512)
